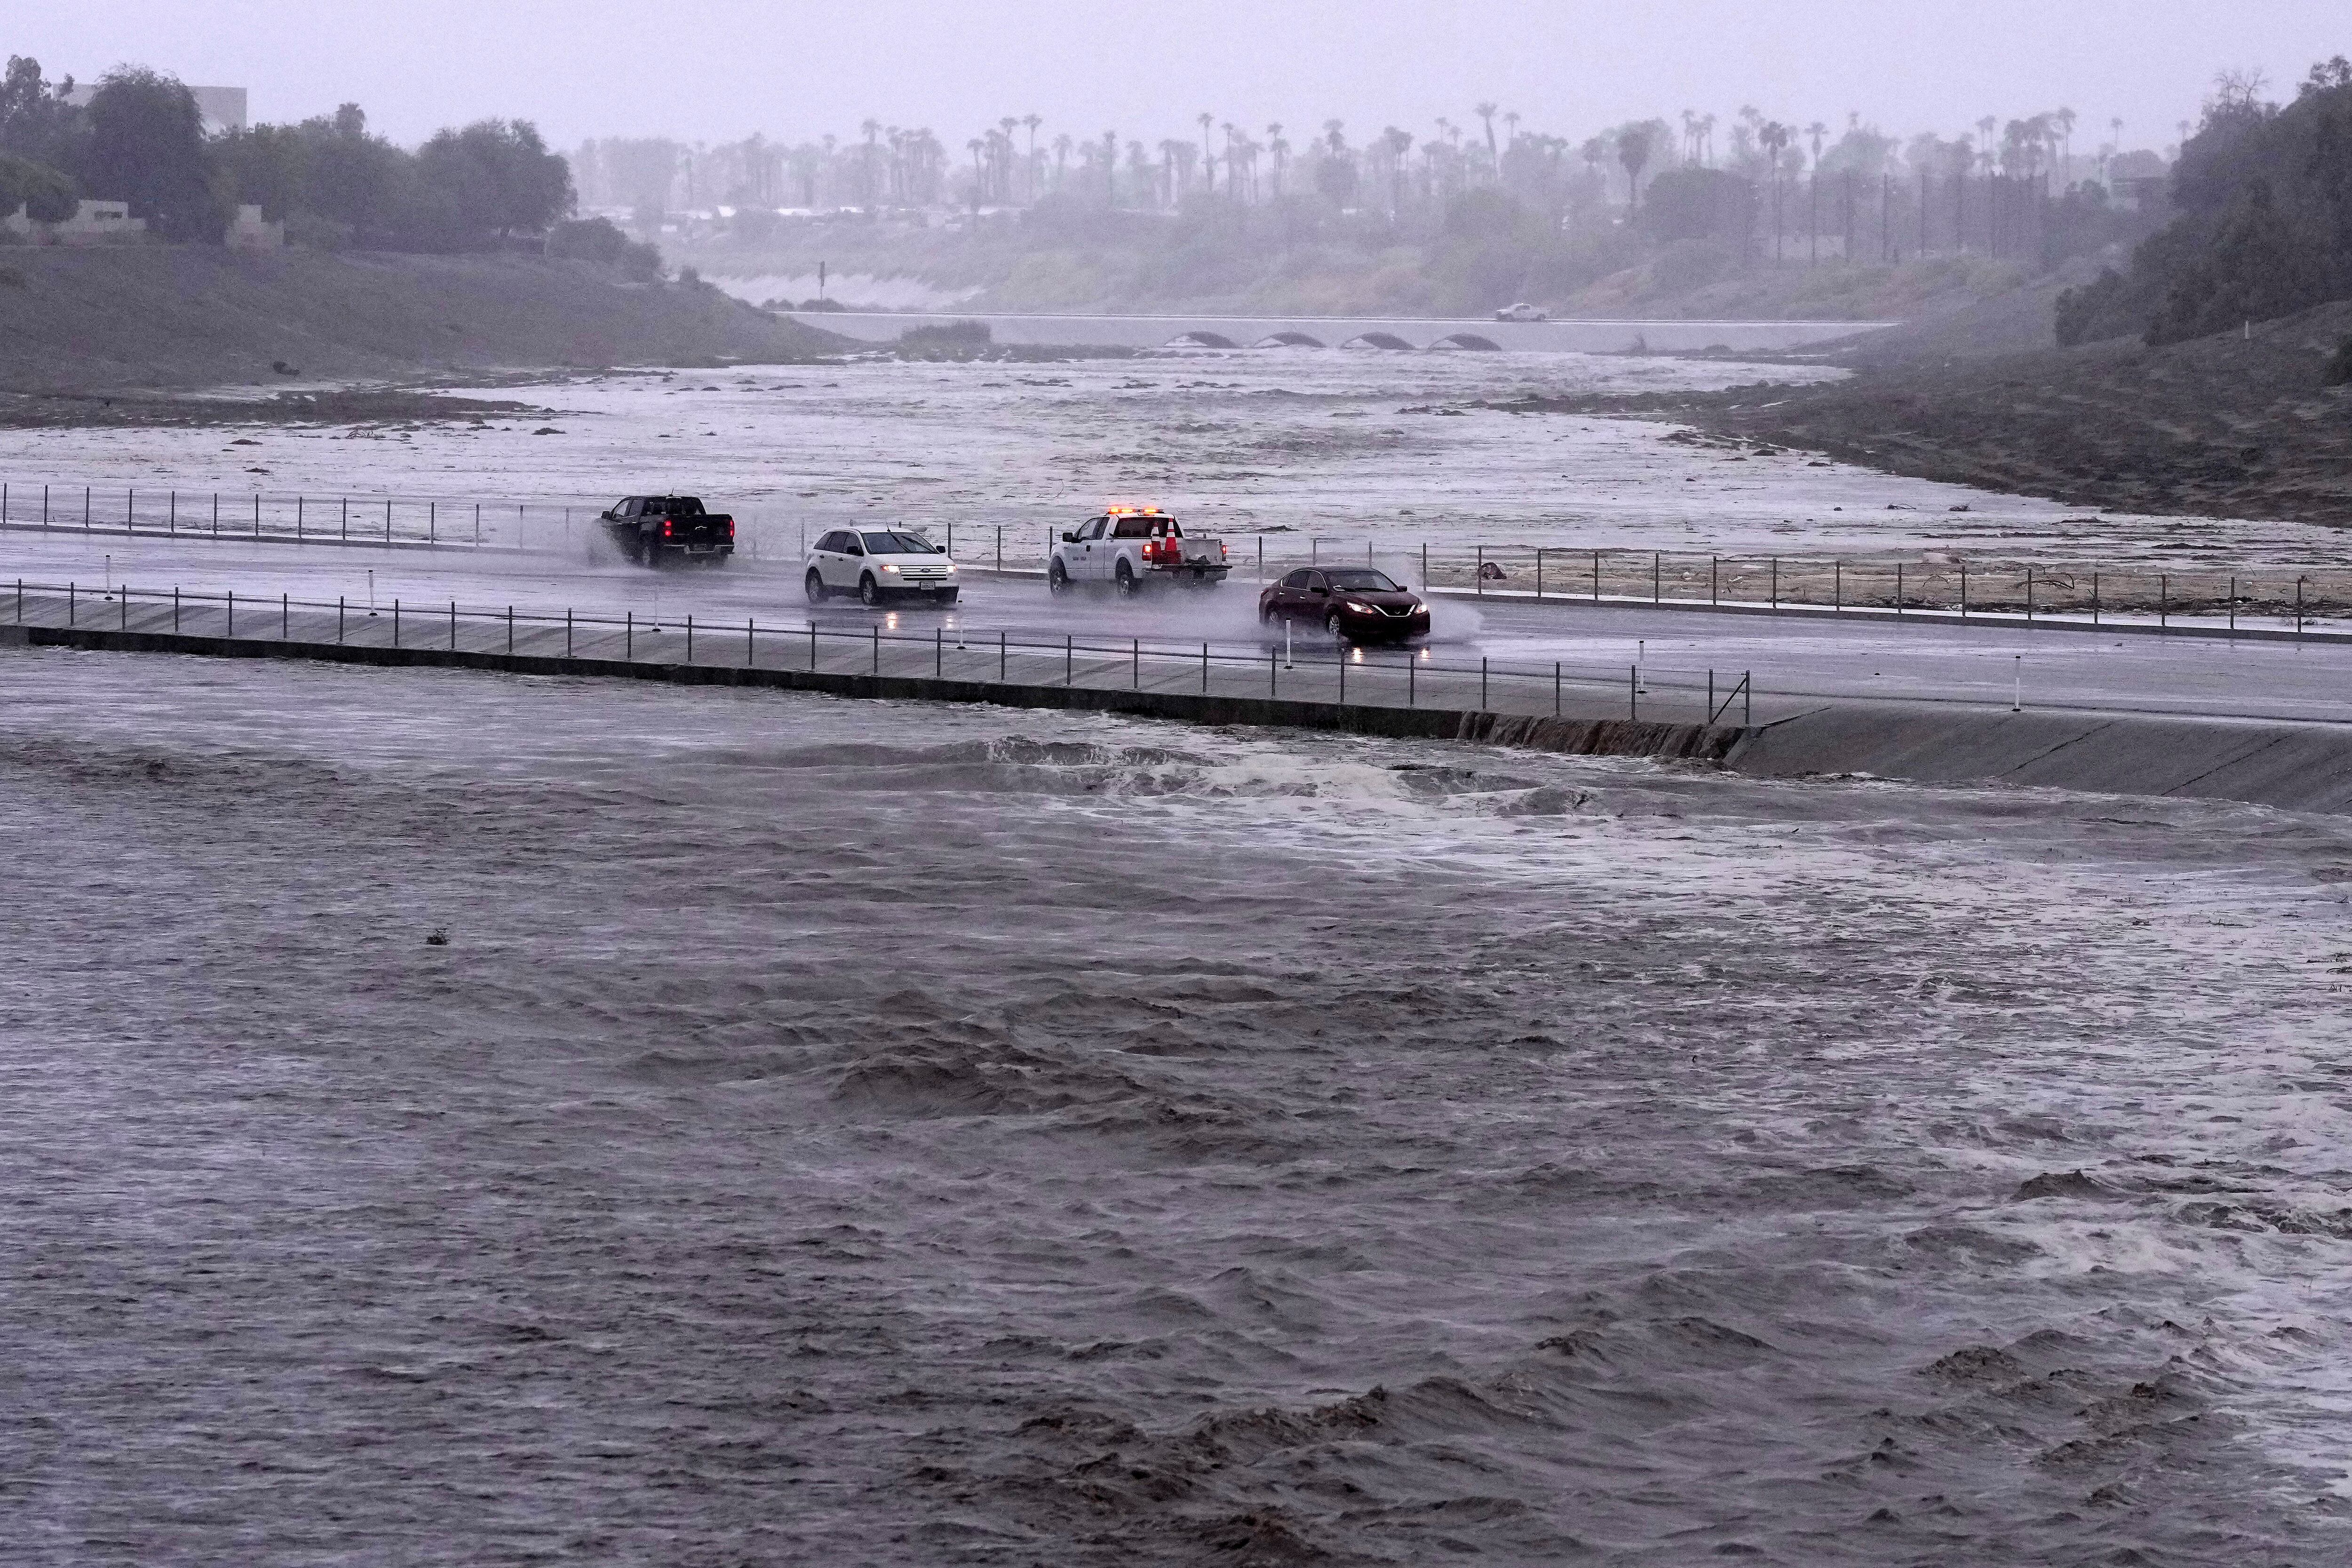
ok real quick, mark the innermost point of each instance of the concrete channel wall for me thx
(2298, 767)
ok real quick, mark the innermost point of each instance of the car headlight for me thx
(1350, 605)
(950, 565)
(887, 566)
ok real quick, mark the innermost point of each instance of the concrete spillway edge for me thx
(2296, 767)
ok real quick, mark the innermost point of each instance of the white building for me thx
(93, 223)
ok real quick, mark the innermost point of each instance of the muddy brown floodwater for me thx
(837, 1133)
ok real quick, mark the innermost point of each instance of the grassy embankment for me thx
(170, 316)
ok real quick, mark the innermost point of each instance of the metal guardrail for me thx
(1348, 676)
(1937, 583)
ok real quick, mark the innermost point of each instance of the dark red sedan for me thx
(1353, 604)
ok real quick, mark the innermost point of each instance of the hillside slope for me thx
(2237, 423)
(191, 316)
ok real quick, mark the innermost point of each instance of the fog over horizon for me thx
(714, 69)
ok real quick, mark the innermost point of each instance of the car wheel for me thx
(814, 587)
(1265, 614)
(1126, 580)
(1335, 627)
(653, 556)
(1057, 578)
(869, 592)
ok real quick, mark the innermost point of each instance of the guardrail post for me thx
(1482, 684)
(1000, 547)
(387, 519)
(339, 616)
(1747, 688)
(1714, 592)
(285, 615)
(453, 625)
(172, 518)
(812, 647)
(2163, 601)
(232, 612)
(2233, 603)
(85, 509)
(477, 522)
(216, 514)
(396, 622)
(1837, 585)
(1632, 691)
(1964, 591)
(1000, 658)
(1776, 581)
(432, 522)
(2029, 593)
(1898, 589)
(1272, 674)
(69, 605)
(751, 650)
(1343, 678)
(1657, 557)
(1555, 690)
(509, 630)
(257, 514)
(939, 653)
(1066, 657)
(1424, 561)
(176, 606)
(567, 631)
(1482, 569)
(877, 648)
(2299, 581)
(629, 634)
(689, 637)
(1135, 652)
(1710, 696)
(1596, 576)
(1204, 669)
(1411, 674)
(1538, 570)
(298, 520)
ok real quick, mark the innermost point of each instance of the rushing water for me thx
(840, 1132)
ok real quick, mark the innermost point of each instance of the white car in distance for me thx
(1523, 312)
(879, 564)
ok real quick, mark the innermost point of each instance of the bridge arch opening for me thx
(1200, 338)
(1376, 340)
(1467, 341)
(1289, 340)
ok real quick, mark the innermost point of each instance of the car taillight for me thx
(731, 528)
(665, 528)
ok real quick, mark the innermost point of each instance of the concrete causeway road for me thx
(1797, 660)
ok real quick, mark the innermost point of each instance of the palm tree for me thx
(1817, 130)
(1032, 121)
(1110, 168)
(1399, 142)
(1706, 139)
(1208, 168)
(2064, 120)
(1633, 152)
(872, 128)
(1281, 150)
(1485, 111)
(1773, 136)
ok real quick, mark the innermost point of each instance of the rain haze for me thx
(1111, 785)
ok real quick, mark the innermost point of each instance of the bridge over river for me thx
(1391, 332)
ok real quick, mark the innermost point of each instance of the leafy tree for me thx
(2265, 225)
(37, 119)
(493, 179)
(46, 194)
(147, 147)
(1633, 152)
(599, 239)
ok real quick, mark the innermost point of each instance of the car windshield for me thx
(887, 542)
(1145, 528)
(1362, 580)
(676, 506)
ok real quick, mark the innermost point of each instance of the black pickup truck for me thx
(651, 529)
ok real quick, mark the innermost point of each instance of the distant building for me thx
(224, 108)
(93, 223)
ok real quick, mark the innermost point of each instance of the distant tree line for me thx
(2264, 199)
(140, 139)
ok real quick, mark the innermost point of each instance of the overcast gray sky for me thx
(716, 69)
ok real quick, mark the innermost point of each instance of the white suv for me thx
(878, 563)
(1523, 312)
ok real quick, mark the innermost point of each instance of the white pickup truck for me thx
(1127, 547)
